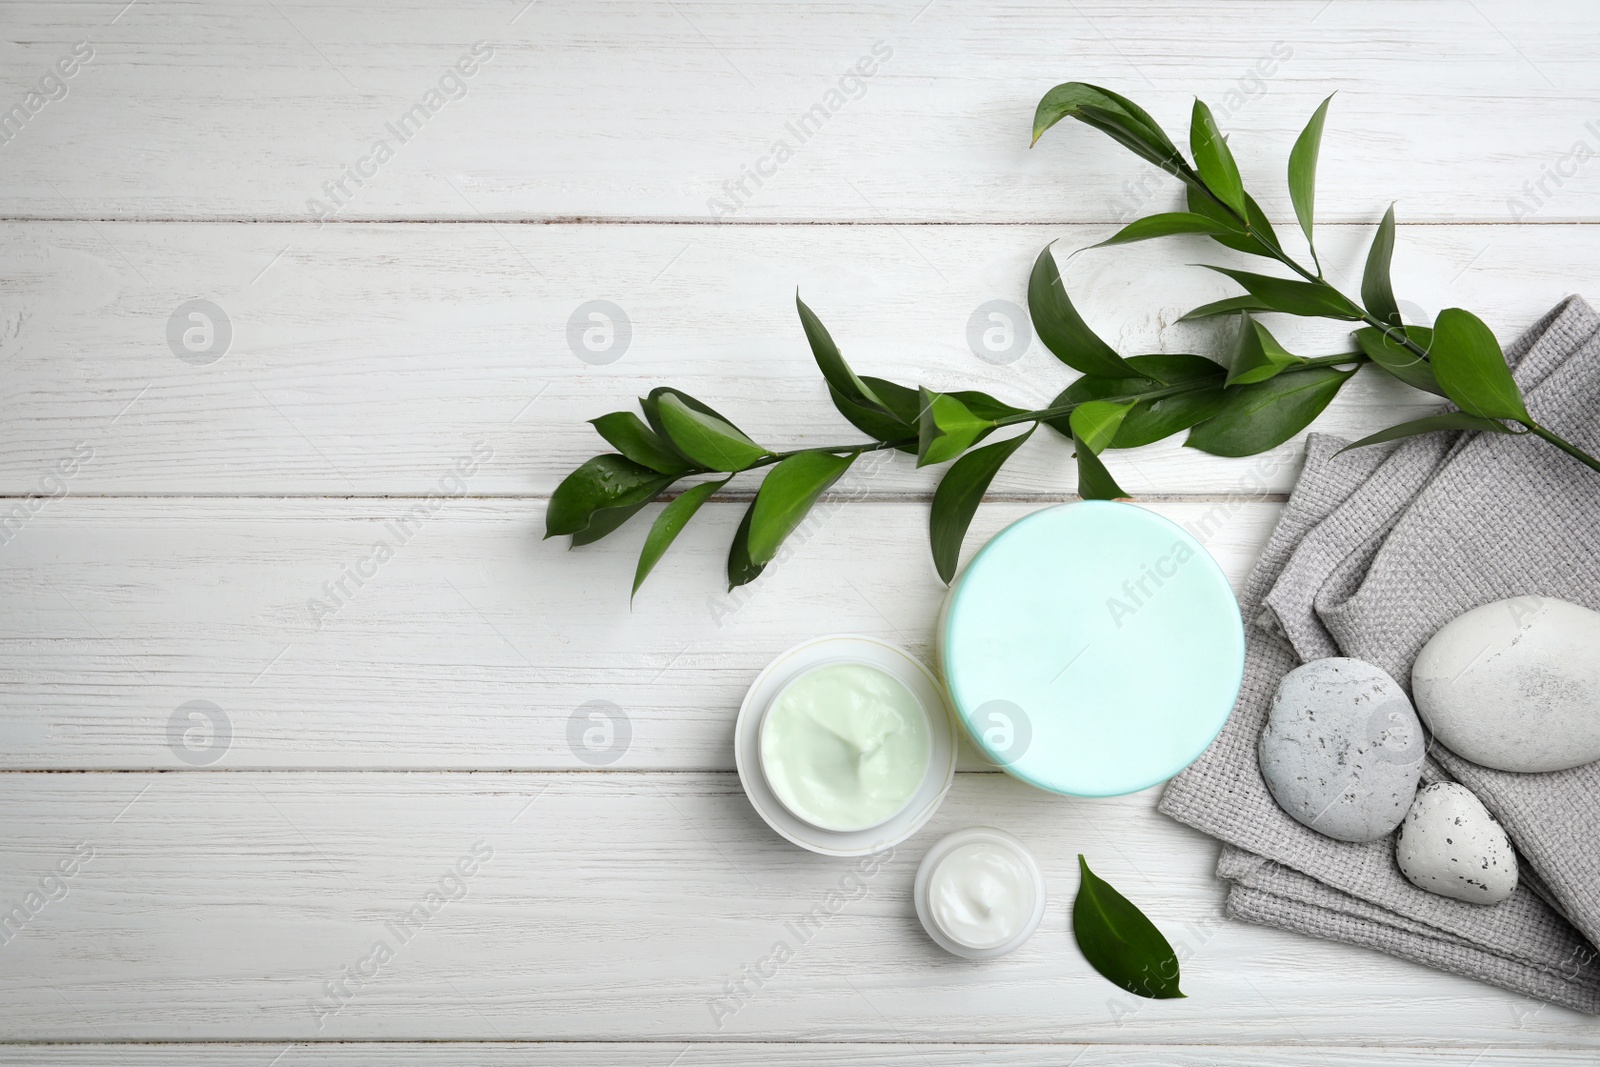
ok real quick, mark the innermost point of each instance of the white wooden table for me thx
(177, 508)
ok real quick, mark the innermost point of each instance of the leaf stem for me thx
(1566, 446)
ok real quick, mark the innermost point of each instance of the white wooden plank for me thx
(370, 359)
(614, 906)
(772, 1054)
(644, 110)
(471, 647)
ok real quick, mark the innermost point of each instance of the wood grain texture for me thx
(616, 906)
(470, 648)
(367, 360)
(740, 1054)
(644, 110)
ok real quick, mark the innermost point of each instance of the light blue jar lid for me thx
(1092, 649)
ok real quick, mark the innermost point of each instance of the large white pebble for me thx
(1514, 685)
(1449, 844)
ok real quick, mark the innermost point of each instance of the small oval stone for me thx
(1342, 749)
(1514, 685)
(1449, 844)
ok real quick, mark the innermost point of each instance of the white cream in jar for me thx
(980, 893)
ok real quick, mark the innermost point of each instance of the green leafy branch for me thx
(1263, 397)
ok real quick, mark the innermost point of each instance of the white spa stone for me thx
(1342, 749)
(1514, 685)
(1449, 844)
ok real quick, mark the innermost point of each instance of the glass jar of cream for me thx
(979, 893)
(845, 745)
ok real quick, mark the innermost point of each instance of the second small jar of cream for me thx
(980, 893)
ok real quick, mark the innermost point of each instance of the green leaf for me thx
(946, 428)
(742, 570)
(1062, 330)
(1303, 170)
(1450, 420)
(1095, 422)
(707, 439)
(786, 495)
(1093, 425)
(1120, 942)
(1150, 419)
(958, 496)
(1376, 291)
(1471, 369)
(837, 372)
(606, 520)
(673, 518)
(1258, 356)
(1385, 350)
(1094, 480)
(650, 405)
(875, 422)
(1214, 160)
(1165, 225)
(1116, 116)
(1201, 204)
(628, 434)
(983, 405)
(1224, 307)
(900, 400)
(1314, 299)
(604, 483)
(1255, 418)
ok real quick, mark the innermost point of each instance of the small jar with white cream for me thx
(980, 893)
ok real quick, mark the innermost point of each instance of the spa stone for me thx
(1515, 685)
(1342, 749)
(1449, 844)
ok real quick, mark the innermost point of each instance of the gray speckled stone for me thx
(1449, 844)
(1514, 685)
(1342, 749)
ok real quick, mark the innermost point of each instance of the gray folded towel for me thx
(1376, 550)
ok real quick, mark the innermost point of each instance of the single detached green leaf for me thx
(1225, 307)
(1383, 347)
(1303, 169)
(957, 498)
(1152, 417)
(1376, 291)
(1120, 942)
(1214, 160)
(1165, 225)
(785, 496)
(1254, 418)
(830, 362)
(1095, 422)
(709, 440)
(1258, 356)
(628, 434)
(1471, 369)
(742, 570)
(947, 428)
(673, 518)
(1062, 330)
(1450, 420)
(1313, 299)
(603, 483)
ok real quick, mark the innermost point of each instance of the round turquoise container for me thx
(1092, 649)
